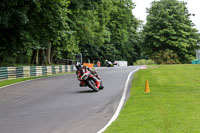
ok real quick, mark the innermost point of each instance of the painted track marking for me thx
(121, 103)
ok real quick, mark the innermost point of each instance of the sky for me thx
(193, 6)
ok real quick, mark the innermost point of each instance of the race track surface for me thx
(58, 105)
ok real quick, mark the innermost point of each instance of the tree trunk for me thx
(42, 58)
(52, 53)
(1, 59)
(37, 57)
(48, 53)
(34, 59)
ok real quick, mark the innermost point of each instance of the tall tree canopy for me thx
(35, 28)
(106, 29)
(123, 26)
(42, 31)
(169, 32)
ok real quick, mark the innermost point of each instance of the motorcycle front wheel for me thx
(92, 85)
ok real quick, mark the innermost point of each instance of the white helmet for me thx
(78, 65)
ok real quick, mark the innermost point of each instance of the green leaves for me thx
(122, 26)
(58, 29)
(169, 27)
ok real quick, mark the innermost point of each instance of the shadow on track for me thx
(86, 91)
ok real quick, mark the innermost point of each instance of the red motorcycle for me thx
(90, 79)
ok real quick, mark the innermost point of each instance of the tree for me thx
(54, 32)
(14, 39)
(123, 26)
(36, 28)
(169, 27)
(47, 30)
(89, 19)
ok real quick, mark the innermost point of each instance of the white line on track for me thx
(114, 117)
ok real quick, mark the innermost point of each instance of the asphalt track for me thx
(58, 105)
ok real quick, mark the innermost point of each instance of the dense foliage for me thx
(169, 36)
(43, 31)
(46, 31)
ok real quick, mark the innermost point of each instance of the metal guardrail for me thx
(33, 71)
(3, 73)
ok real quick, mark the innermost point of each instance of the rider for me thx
(81, 70)
(108, 63)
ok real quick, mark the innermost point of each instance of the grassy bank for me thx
(9, 82)
(172, 106)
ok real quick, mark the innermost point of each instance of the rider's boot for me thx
(82, 84)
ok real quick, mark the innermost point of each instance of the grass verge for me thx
(12, 81)
(172, 106)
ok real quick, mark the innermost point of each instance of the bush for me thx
(144, 62)
(23, 59)
(19, 60)
(165, 57)
(9, 60)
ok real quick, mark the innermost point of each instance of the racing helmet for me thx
(78, 65)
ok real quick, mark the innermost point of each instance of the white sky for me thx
(193, 6)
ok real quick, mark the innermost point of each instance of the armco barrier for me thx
(33, 71)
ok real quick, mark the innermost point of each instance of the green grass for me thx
(172, 106)
(12, 81)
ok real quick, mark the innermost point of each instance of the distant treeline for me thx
(44, 31)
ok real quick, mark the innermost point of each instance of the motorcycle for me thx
(88, 80)
(109, 64)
